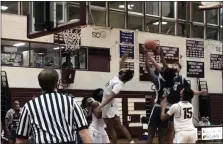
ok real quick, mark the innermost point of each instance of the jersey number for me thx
(187, 113)
(107, 84)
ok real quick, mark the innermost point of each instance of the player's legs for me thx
(105, 138)
(152, 125)
(99, 136)
(192, 136)
(162, 128)
(180, 137)
(111, 131)
(170, 132)
(162, 135)
(151, 134)
(12, 137)
(122, 128)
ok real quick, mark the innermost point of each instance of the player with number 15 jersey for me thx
(182, 111)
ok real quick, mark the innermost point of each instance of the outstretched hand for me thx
(204, 92)
(143, 50)
(164, 102)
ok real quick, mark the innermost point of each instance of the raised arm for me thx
(157, 66)
(163, 61)
(150, 71)
(123, 59)
(196, 92)
(164, 116)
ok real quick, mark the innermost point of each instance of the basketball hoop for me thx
(71, 37)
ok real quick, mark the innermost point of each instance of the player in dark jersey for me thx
(180, 83)
(163, 83)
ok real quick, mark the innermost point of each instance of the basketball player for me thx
(97, 126)
(179, 83)
(182, 111)
(109, 104)
(163, 83)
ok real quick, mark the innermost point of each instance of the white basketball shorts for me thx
(99, 136)
(109, 112)
(185, 137)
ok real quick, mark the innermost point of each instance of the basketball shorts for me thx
(154, 120)
(110, 111)
(185, 137)
(99, 136)
(12, 135)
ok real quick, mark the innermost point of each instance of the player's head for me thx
(177, 66)
(187, 94)
(16, 106)
(168, 75)
(86, 102)
(126, 74)
(48, 79)
(98, 94)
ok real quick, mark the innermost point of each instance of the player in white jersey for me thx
(109, 103)
(182, 111)
(96, 128)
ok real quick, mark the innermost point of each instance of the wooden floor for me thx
(123, 141)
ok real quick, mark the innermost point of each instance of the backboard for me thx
(43, 18)
(209, 5)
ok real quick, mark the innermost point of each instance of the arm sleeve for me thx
(79, 118)
(153, 76)
(172, 110)
(24, 126)
(7, 116)
(117, 88)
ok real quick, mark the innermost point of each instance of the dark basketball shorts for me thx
(155, 120)
(12, 135)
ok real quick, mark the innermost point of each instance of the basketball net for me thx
(72, 38)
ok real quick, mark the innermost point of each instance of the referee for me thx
(53, 118)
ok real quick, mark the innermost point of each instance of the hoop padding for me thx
(72, 38)
(68, 75)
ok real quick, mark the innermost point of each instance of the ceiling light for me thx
(40, 53)
(75, 20)
(56, 48)
(156, 23)
(121, 6)
(4, 8)
(130, 6)
(19, 44)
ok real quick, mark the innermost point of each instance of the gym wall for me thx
(14, 27)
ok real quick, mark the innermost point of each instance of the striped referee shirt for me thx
(52, 118)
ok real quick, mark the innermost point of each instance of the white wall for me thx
(14, 27)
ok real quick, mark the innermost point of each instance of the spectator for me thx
(9, 117)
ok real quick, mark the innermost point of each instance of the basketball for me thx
(150, 44)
